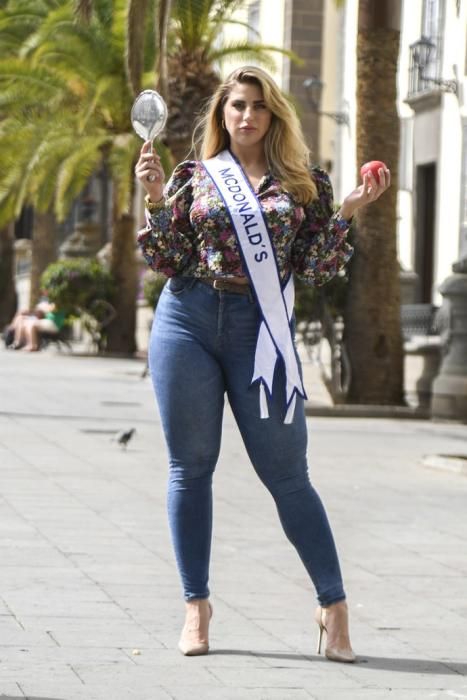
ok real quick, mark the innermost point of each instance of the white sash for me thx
(276, 303)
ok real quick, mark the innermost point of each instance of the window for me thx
(426, 53)
(253, 21)
(432, 28)
(431, 18)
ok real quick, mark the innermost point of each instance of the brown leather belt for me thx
(224, 285)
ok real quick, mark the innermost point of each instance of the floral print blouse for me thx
(192, 235)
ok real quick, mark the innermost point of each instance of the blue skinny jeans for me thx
(202, 347)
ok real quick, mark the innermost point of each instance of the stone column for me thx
(86, 238)
(449, 398)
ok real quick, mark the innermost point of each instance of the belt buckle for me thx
(219, 284)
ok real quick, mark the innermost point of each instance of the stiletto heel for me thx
(343, 653)
(194, 638)
(320, 637)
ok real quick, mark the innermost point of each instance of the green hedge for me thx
(73, 284)
(153, 283)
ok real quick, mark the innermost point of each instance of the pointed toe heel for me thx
(194, 640)
(341, 650)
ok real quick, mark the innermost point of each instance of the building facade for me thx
(432, 93)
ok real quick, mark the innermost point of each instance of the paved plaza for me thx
(90, 603)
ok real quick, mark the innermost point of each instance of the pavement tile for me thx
(313, 677)
(92, 632)
(19, 637)
(215, 659)
(44, 690)
(10, 691)
(130, 692)
(185, 693)
(378, 694)
(56, 606)
(144, 677)
(66, 655)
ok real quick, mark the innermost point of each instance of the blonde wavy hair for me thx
(287, 155)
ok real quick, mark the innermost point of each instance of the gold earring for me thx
(223, 124)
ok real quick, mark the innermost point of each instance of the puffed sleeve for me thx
(166, 240)
(320, 248)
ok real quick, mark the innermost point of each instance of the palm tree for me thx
(372, 320)
(70, 82)
(17, 25)
(195, 48)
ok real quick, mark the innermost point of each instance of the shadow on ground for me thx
(381, 663)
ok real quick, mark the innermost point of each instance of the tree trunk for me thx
(44, 251)
(121, 331)
(191, 83)
(162, 30)
(372, 320)
(8, 298)
(136, 26)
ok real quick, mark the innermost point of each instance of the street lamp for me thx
(423, 52)
(314, 87)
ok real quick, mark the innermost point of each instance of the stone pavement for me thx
(90, 605)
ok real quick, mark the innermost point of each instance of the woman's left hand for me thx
(369, 191)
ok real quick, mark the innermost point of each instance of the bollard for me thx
(449, 397)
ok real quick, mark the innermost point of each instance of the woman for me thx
(229, 231)
(27, 326)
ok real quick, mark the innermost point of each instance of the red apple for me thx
(372, 166)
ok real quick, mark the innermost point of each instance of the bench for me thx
(421, 327)
(419, 320)
(60, 339)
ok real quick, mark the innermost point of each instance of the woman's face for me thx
(246, 117)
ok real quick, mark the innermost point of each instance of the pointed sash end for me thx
(263, 402)
(290, 411)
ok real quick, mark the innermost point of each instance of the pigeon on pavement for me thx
(124, 437)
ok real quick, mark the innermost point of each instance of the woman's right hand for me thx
(149, 166)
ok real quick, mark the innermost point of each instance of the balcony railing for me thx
(425, 70)
(423, 75)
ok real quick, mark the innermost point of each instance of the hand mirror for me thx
(148, 115)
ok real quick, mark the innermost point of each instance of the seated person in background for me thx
(27, 326)
(12, 330)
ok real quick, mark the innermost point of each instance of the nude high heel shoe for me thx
(341, 649)
(194, 638)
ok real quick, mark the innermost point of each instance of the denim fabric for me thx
(202, 347)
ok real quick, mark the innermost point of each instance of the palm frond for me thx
(216, 27)
(19, 20)
(192, 18)
(31, 91)
(44, 30)
(75, 172)
(259, 53)
(7, 207)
